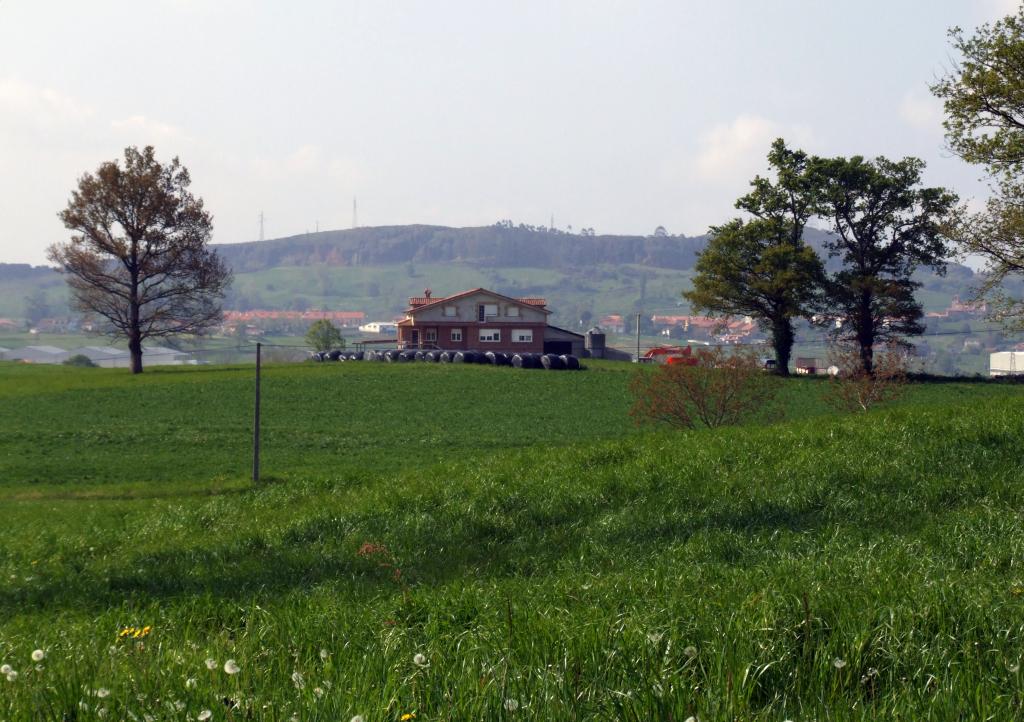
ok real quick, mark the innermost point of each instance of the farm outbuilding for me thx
(38, 354)
(1006, 363)
(560, 341)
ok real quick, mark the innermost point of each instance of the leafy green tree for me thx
(37, 307)
(762, 268)
(984, 101)
(884, 225)
(324, 336)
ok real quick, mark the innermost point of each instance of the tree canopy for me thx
(324, 336)
(885, 225)
(762, 268)
(984, 103)
(139, 257)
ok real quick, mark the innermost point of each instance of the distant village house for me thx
(484, 320)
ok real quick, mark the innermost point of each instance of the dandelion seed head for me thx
(190, 683)
(318, 691)
(357, 718)
(690, 651)
(654, 637)
(101, 712)
(231, 667)
(838, 663)
(5, 668)
(211, 663)
(11, 676)
(511, 705)
(298, 680)
(38, 655)
(419, 660)
(324, 654)
(204, 715)
(103, 693)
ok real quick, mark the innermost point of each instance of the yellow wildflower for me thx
(407, 716)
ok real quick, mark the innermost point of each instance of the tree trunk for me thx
(782, 342)
(866, 335)
(135, 339)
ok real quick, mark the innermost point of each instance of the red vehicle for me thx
(671, 355)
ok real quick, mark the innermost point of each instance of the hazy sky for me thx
(616, 115)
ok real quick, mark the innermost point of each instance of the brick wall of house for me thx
(471, 336)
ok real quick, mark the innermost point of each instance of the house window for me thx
(522, 335)
(512, 311)
(430, 335)
(490, 335)
(485, 310)
(456, 334)
(450, 311)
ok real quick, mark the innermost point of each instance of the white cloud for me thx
(40, 105)
(733, 153)
(922, 111)
(148, 130)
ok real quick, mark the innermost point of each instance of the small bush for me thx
(80, 360)
(721, 388)
(851, 388)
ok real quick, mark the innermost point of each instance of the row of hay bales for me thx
(553, 362)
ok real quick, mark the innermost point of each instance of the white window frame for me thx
(456, 334)
(493, 335)
(451, 311)
(512, 311)
(518, 333)
(490, 309)
(430, 335)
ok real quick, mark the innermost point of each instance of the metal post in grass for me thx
(256, 423)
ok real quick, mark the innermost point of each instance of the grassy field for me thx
(465, 543)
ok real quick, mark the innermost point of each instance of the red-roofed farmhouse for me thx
(484, 321)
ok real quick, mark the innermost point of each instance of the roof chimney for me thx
(426, 293)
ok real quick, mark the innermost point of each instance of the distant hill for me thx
(495, 246)
(376, 269)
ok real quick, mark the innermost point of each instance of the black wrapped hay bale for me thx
(432, 357)
(571, 362)
(526, 361)
(391, 356)
(445, 357)
(460, 357)
(552, 362)
(420, 355)
(497, 358)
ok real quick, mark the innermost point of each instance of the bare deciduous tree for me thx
(139, 258)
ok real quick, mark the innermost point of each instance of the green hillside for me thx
(546, 559)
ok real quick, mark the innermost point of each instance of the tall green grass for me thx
(827, 568)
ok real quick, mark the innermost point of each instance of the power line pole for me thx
(256, 423)
(261, 225)
(638, 338)
(355, 216)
